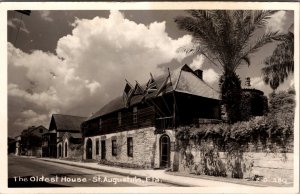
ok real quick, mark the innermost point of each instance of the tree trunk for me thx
(231, 93)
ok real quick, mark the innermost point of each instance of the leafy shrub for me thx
(270, 133)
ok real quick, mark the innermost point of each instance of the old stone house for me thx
(70, 146)
(138, 128)
(64, 131)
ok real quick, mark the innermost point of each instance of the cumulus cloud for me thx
(198, 62)
(45, 15)
(277, 22)
(31, 118)
(89, 66)
(118, 46)
(258, 83)
(209, 75)
(92, 86)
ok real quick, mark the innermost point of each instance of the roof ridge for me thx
(176, 74)
(204, 81)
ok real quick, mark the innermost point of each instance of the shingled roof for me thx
(66, 122)
(183, 80)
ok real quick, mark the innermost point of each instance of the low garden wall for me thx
(258, 149)
(263, 165)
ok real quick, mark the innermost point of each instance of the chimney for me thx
(199, 73)
(247, 82)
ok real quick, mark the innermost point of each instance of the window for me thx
(119, 118)
(130, 147)
(41, 130)
(114, 147)
(97, 146)
(66, 149)
(100, 123)
(135, 114)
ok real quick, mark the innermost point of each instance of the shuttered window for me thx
(114, 147)
(130, 147)
(97, 146)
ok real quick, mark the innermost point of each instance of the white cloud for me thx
(93, 86)
(258, 83)
(31, 118)
(277, 22)
(292, 83)
(17, 23)
(29, 113)
(198, 62)
(47, 99)
(45, 15)
(210, 76)
(90, 65)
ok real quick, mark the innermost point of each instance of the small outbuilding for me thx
(62, 129)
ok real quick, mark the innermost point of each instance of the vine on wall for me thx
(271, 133)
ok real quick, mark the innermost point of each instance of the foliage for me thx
(280, 64)
(253, 104)
(282, 102)
(211, 164)
(231, 90)
(225, 38)
(76, 147)
(269, 133)
(30, 140)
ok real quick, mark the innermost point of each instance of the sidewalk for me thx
(158, 174)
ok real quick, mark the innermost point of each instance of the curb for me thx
(121, 173)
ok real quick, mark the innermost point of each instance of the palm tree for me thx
(280, 64)
(226, 39)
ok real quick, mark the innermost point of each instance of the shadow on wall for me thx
(210, 163)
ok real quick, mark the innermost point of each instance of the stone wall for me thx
(145, 147)
(74, 151)
(271, 166)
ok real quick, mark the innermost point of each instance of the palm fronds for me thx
(280, 64)
(226, 36)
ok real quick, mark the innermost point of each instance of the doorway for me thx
(66, 149)
(103, 149)
(59, 150)
(89, 149)
(164, 151)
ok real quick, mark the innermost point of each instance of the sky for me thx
(74, 62)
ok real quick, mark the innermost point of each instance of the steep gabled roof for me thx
(182, 80)
(66, 122)
(190, 83)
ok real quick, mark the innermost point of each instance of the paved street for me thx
(30, 172)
